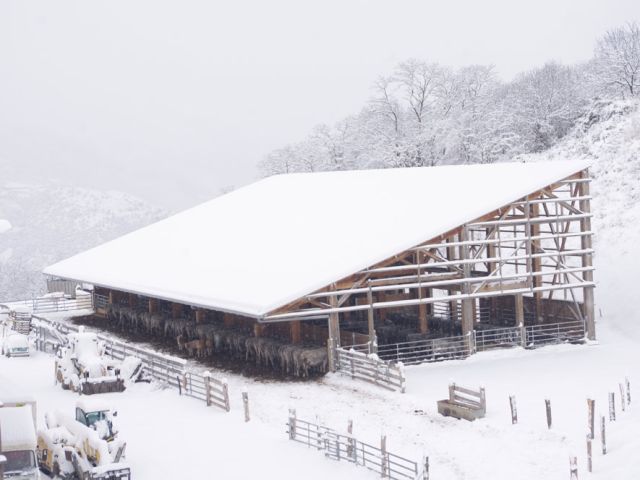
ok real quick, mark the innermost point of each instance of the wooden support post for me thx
(207, 387)
(621, 397)
(201, 315)
(519, 310)
(573, 468)
(514, 410)
(133, 300)
(111, 298)
(587, 261)
(381, 296)
(612, 407)
(547, 404)
(258, 329)
(536, 263)
(467, 304)
(591, 407)
(245, 402)
(228, 319)
(176, 310)
(451, 255)
(292, 424)
(384, 472)
(371, 327)
(603, 435)
(296, 331)
(589, 459)
(334, 321)
(153, 305)
(626, 381)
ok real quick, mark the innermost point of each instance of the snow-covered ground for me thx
(177, 437)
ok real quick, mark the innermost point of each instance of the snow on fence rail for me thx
(370, 368)
(346, 447)
(54, 304)
(51, 335)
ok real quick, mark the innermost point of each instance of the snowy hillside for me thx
(609, 137)
(41, 224)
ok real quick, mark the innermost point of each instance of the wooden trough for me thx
(463, 403)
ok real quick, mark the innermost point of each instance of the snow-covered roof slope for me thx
(269, 243)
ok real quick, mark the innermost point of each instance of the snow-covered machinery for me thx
(85, 447)
(18, 439)
(83, 367)
(15, 344)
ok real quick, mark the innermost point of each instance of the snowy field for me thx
(177, 437)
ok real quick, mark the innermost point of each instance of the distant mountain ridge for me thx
(51, 222)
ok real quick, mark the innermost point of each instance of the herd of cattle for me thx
(202, 340)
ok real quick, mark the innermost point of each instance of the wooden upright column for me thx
(371, 327)
(536, 263)
(451, 255)
(423, 311)
(519, 310)
(176, 310)
(228, 320)
(296, 331)
(201, 315)
(467, 303)
(587, 261)
(334, 321)
(133, 301)
(153, 305)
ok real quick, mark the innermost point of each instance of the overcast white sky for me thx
(173, 100)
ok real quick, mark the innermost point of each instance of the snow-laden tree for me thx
(617, 60)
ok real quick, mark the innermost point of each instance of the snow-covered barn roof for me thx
(262, 246)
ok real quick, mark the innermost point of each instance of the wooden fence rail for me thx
(167, 369)
(346, 447)
(370, 368)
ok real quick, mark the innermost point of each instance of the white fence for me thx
(170, 370)
(458, 347)
(345, 447)
(370, 368)
(41, 305)
(428, 350)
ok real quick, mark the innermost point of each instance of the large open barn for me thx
(416, 264)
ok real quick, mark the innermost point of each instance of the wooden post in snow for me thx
(207, 387)
(351, 451)
(573, 468)
(622, 397)
(292, 424)
(626, 380)
(612, 407)
(425, 468)
(587, 261)
(589, 459)
(603, 435)
(384, 470)
(548, 409)
(245, 402)
(591, 405)
(514, 410)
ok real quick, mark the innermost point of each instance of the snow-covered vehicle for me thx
(85, 447)
(15, 344)
(18, 440)
(82, 366)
